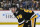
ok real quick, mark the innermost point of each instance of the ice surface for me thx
(8, 25)
(14, 25)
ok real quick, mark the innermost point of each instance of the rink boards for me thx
(7, 17)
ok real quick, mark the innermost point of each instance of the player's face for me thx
(14, 9)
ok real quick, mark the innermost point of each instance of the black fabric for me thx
(25, 15)
(27, 24)
(35, 22)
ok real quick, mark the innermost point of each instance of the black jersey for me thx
(24, 15)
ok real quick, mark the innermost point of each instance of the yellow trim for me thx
(33, 20)
(33, 23)
(8, 23)
(37, 23)
(30, 11)
(14, 23)
(34, 17)
(20, 25)
(26, 10)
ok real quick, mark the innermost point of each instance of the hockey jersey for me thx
(24, 15)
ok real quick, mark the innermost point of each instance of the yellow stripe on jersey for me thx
(33, 23)
(30, 11)
(33, 20)
(34, 17)
(26, 10)
(20, 25)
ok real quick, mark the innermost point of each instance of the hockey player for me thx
(26, 18)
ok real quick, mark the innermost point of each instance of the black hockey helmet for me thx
(13, 5)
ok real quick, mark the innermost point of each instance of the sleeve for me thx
(33, 15)
(21, 21)
(20, 25)
(20, 18)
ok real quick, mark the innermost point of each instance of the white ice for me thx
(14, 25)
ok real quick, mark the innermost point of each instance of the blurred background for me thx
(27, 4)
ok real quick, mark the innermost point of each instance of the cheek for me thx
(13, 10)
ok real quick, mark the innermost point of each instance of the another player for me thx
(26, 18)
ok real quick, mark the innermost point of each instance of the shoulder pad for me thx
(30, 11)
(26, 10)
